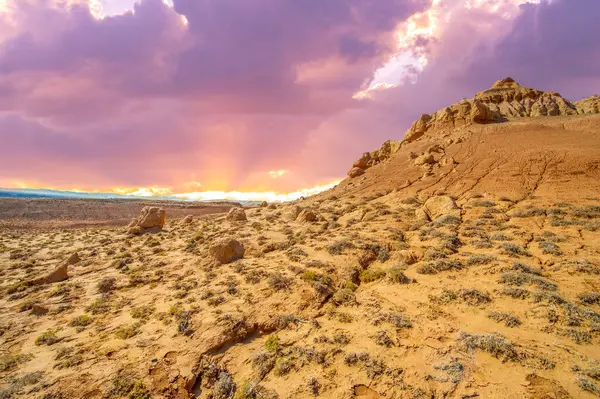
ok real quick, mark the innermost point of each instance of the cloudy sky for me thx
(180, 96)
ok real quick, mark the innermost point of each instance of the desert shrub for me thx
(382, 338)
(508, 319)
(529, 212)
(588, 386)
(580, 337)
(370, 275)
(99, 306)
(28, 304)
(263, 363)
(523, 278)
(550, 248)
(470, 296)
(224, 387)
(272, 344)
(308, 276)
(107, 284)
(526, 268)
(514, 250)
(350, 286)
(396, 319)
(590, 298)
(500, 237)
(485, 204)
(494, 344)
(129, 387)
(396, 275)
(516, 293)
(48, 337)
(279, 282)
(142, 312)
(284, 366)
(446, 220)
(337, 248)
(344, 296)
(252, 390)
(480, 259)
(8, 362)
(81, 321)
(126, 331)
(439, 266)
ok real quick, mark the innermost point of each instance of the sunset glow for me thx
(251, 98)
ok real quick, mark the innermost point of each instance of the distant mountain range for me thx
(58, 194)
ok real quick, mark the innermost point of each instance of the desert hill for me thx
(461, 262)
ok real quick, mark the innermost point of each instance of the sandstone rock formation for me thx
(151, 218)
(237, 215)
(505, 100)
(589, 105)
(227, 250)
(264, 204)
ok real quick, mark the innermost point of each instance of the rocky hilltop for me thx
(506, 100)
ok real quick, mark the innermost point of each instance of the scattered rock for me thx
(272, 206)
(425, 159)
(227, 250)
(440, 205)
(355, 172)
(237, 215)
(151, 218)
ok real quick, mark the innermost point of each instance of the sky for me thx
(256, 98)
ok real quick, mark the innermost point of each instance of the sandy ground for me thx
(42, 212)
(476, 276)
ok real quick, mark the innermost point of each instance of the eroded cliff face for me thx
(505, 100)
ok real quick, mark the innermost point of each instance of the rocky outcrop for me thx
(504, 101)
(590, 105)
(151, 218)
(227, 250)
(237, 215)
(373, 158)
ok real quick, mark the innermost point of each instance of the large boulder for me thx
(355, 172)
(237, 215)
(264, 204)
(306, 216)
(227, 250)
(151, 218)
(440, 205)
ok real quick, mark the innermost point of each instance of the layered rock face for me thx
(504, 101)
